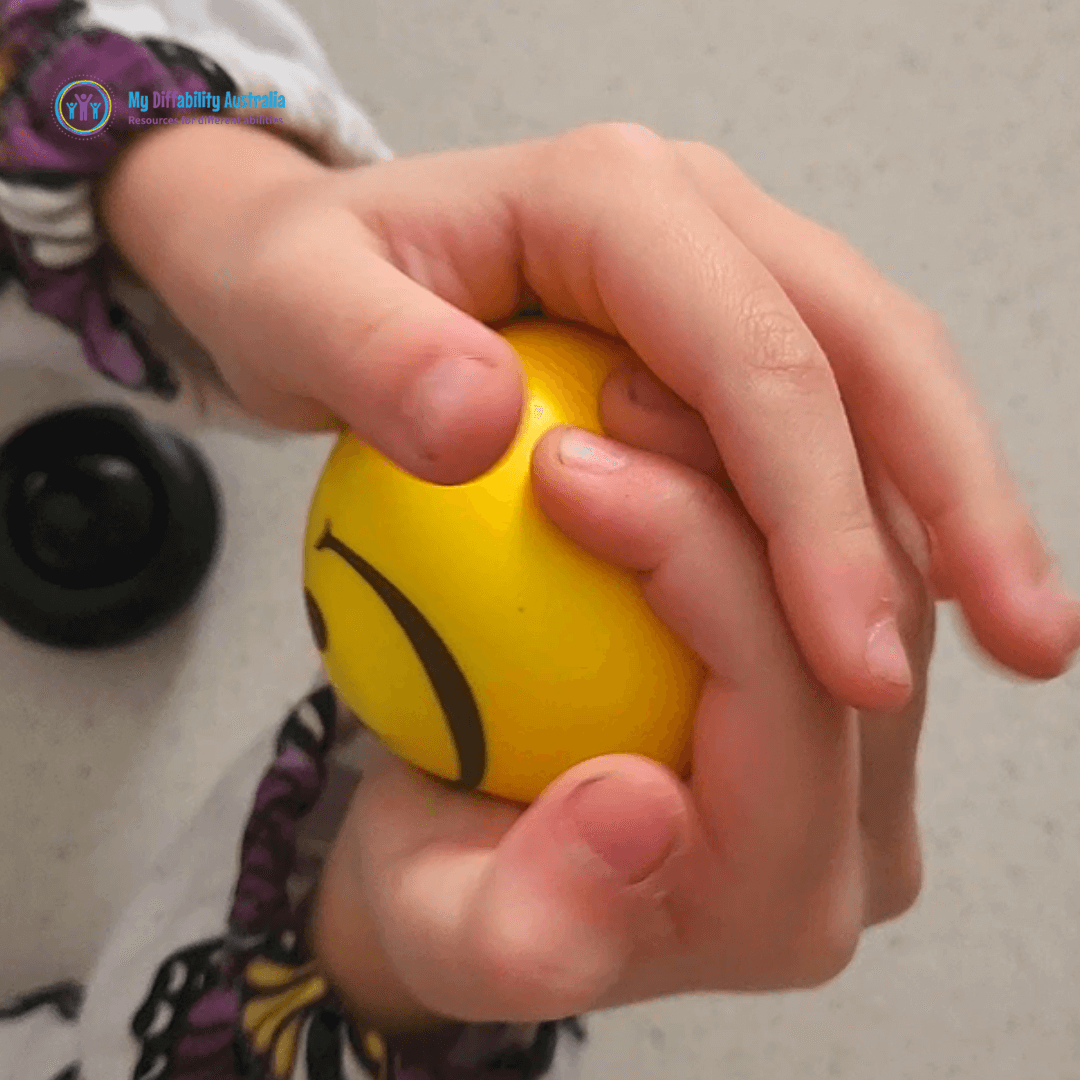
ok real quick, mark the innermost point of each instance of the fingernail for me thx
(885, 655)
(646, 391)
(633, 845)
(580, 450)
(445, 390)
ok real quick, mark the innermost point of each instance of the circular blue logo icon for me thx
(83, 107)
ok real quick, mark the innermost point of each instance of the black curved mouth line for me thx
(446, 678)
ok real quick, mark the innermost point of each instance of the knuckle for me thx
(853, 517)
(712, 169)
(829, 936)
(625, 144)
(674, 925)
(778, 346)
(526, 974)
(835, 243)
(706, 155)
(692, 504)
(924, 324)
(712, 153)
(930, 324)
(828, 958)
(904, 884)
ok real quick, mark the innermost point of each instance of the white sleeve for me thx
(263, 45)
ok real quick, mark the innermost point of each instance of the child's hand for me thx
(620, 883)
(360, 297)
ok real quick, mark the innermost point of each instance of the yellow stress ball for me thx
(467, 631)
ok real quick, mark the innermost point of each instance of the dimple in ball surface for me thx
(473, 637)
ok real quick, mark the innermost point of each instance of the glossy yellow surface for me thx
(546, 656)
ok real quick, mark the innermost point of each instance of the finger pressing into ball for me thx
(638, 409)
(647, 513)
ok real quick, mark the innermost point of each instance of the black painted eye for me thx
(315, 620)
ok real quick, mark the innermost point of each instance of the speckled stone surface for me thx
(942, 138)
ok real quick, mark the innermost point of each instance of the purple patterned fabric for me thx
(204, 1052)
(287, 793)
(50, 45)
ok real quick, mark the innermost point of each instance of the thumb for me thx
(328, 319)
(488, 912)
(254, 248)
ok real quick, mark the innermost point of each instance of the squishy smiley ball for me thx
(467, 631)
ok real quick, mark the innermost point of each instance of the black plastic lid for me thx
(108, 526)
